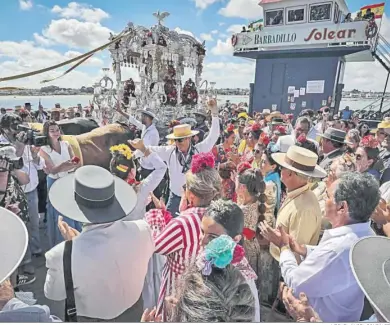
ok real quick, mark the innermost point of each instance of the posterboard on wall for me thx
(290, 89)
(315, 87)
(292, 106)
(302, 91)
(274, 107)
(296, 93)
(303, 104)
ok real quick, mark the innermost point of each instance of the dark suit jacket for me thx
(328, 159)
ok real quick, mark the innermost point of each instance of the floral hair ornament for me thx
(230, 128)
(221, 252)
(255, 127)
(281, 129)
(264, 139)
(289, 116)
(243, 167)
(202, 161)
(123, 150)
(369, 142)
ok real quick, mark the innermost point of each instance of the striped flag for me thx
(377, 9)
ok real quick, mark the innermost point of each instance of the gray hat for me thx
(335, 135)
(13, 242)
(370, 262)
(148, 112)
(92, 195)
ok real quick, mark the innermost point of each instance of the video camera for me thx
(8, 153)
(33, 137)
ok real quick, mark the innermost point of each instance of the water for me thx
(71, 101)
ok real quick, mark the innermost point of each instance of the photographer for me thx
(13, 198)
(31, 163)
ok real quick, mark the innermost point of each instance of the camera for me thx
(33, 137)
(8, 153)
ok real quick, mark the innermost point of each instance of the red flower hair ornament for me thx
(264, 139)
(369, 142)
(281, 129)
(243, 167)
(230, 128)
(202, 161)
(255, 127)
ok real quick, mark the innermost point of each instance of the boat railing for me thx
(377, 105)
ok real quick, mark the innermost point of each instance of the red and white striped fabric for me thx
(180, 243)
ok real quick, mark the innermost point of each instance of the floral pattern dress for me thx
(259, 257)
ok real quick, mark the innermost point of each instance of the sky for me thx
(41, 33)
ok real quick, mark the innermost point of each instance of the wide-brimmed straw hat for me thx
(335, 135)
(92, 195)
(370, 262)
(272, 115)
(13, 242)
(384, 125)
(182, 131)
(148, 112)
(300, 160)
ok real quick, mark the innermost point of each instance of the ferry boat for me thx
(301, 48)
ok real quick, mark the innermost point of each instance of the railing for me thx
(379, 104)
(382, 52)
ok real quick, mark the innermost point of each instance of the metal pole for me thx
(384, 92)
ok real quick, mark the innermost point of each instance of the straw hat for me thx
(182, 131)
(384, 124)
(272, 115)
(370, 262)
(300, 160)
(13, 243)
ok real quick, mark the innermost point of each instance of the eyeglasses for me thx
(179, 140)
(256, 151)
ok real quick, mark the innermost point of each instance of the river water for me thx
(70, 101)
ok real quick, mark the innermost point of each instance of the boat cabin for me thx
(300, 48)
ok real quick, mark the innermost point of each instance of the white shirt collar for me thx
(344, 230)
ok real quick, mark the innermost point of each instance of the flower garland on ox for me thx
(123, 150)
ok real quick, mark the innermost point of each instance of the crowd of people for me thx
(260, 209)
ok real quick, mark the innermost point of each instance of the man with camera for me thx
(28, 163)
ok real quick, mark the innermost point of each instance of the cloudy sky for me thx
(40, 33)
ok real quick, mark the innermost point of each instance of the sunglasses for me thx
(257, 151)
(179, 140)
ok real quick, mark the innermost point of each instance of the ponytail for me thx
(255, 185)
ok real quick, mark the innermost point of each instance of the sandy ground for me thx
(57, 307)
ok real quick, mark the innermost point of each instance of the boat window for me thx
(337, 13)
(296, 15)
(274, 17)
(320, 12)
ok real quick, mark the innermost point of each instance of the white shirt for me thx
(169, 155)
(31, 168)
(148, 185)
(109, 264)
(150, 136)
(58, 158)
(325, 275)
